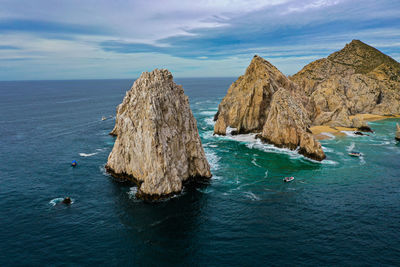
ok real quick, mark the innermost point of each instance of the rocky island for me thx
(158, 145)
(343, 90)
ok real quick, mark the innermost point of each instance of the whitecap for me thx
(266, 174)
(251, 195)
(209, 121)
(87, 155)
(254, 162)
(212, 158)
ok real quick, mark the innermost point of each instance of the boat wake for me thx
(87, 155)
(58, 200)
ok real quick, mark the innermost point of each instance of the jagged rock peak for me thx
(361, 57)
(265, 101)
(158, 144)
(246, 104)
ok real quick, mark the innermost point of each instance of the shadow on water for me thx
(160, 229)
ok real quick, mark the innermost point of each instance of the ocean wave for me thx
(103, 171)
(208, 112)
(87, 155)
(329, 135)
(212, 158)
(251, 196)
(255, 162)
(209, 121)
(350, 147)
(350, 133)
(327, 149)
(132, 192)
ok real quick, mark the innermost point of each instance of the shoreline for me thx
(319, 130)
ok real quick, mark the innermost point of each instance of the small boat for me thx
(74, 163)
(355, 154)
(288, 179)
(103, 118)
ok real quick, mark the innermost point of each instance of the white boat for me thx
(355, 154)
(288, 179)
(103, 118)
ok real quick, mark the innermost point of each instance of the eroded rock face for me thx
(158, 144)
(246, 104)
(287, 126)
(357, 79)
(397, 132)
(265, 101)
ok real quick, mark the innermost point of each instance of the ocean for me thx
(342, 211)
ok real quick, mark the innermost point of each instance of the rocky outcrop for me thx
(397, 132)
(158, 144)
(355, 80)
(287, 126)
(265, 101)
(245, 106)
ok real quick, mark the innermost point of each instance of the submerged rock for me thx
(397, 132)
(265, 101)
(158, 144)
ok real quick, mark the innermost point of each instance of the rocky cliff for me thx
(357, 79)
(265, 101)
(158, 144)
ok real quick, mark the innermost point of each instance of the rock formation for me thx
(357, 79)
(158, 144)
(397, 132)
(264, 100)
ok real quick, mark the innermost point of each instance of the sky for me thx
(99, 39)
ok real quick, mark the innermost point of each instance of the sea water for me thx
(342, 211)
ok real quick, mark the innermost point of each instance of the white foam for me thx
(87, 155)
(327, 149)
(350, 147)
(208, 112)
(212, 158)
(254, 162)
(209, 121)
(58, 200)
(329, 135)
(350, 133)
(229, 130)
(132, 192)
(251, 195)
(266, 174)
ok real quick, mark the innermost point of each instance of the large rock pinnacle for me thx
(158, 144)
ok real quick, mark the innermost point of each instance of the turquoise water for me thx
(343, 211)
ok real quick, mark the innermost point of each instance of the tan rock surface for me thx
(264, 100)
(158, 144)
(288, 124)
(357, 79)
(245, 106)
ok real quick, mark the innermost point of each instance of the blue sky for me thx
(98, 39)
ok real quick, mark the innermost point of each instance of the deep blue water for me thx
(344, 211)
